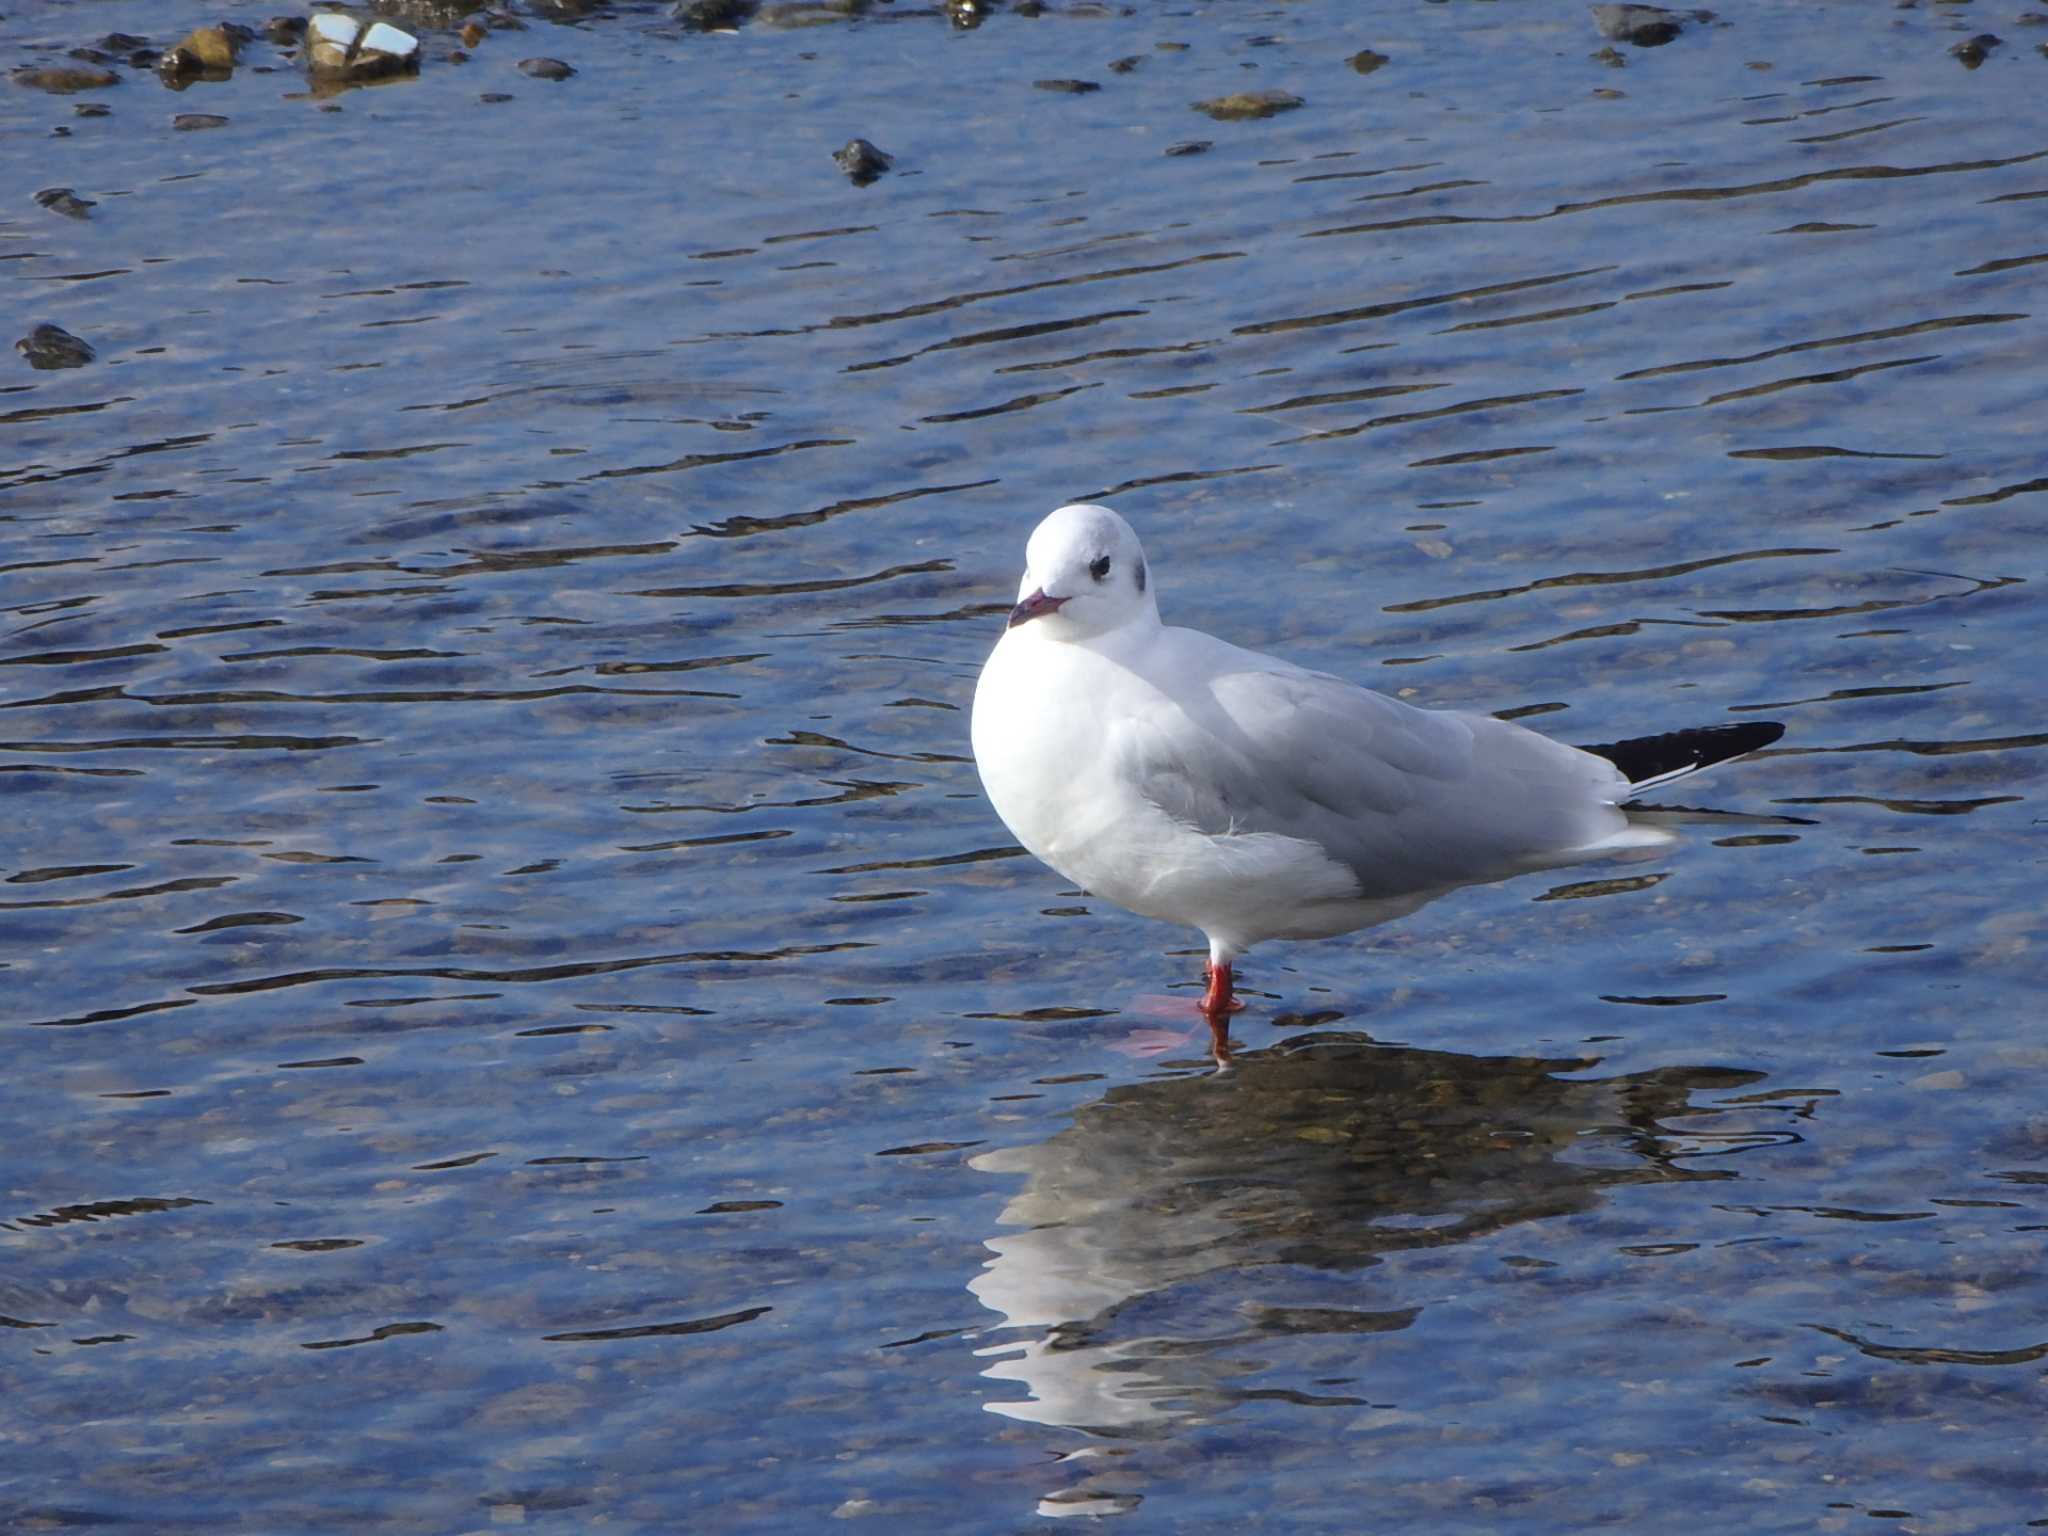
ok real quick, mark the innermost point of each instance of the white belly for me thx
(1041, 744)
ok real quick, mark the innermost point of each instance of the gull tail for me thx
(1650, 762)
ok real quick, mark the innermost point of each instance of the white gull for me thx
(1186, 778)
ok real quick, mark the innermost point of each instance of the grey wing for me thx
(1408, 799)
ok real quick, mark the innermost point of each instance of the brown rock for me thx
(1245, 105)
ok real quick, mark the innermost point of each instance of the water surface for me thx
(518, 1012)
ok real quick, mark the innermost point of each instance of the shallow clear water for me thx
(517, 1010)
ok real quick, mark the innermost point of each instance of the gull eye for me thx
(1099, 567)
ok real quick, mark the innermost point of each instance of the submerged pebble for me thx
(1066, 87)
(713, 15)
(189, 122)
(51, 346)
(1245, 105)
(861, 161)
(1976, 50)
(63, 200)
(810, 13)
(63, 79)
(546, 69)
(1645, 26)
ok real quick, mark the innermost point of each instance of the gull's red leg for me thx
(1218, 1002)
(1217, 1006)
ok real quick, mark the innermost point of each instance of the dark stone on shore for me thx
(713, 15)
(1977, 49)
(1066, 87)
(191, 122)
(861, 161)
(63, 200)
(51, 346)
(65, 79)
(1365, 61)
(546, 69)
(1191, 147)
(1247, 105)
(285, 31)
(1645, 26)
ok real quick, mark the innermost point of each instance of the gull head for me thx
(1084, 575)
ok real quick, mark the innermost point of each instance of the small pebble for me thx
(1976, 50)
(51, 346)
(188, 122)
(861, 161)
(63, 200)
(546, 69)
(1066, 87)
(64, 79)
(1247, 105)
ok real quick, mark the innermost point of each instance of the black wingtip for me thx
(1657, 757)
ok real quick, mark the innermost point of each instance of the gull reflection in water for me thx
(1317, 1155)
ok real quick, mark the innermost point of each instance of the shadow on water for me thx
(1165, 1228)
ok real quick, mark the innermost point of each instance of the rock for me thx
(1612, 57)
(810, 13)
(1245, 105)
(495, 96)
(1365, 61)
(473, 34)
(65, 79)
(190, 122)
(713, 15)
(122, 42)
(967, 14)
(546, 69)
(1191, 147)
(91, 109)
(1976, 50)
(51, 346)
(861, 161)
(339, 47)
(1066, 87)
(1646, 26)
(441, 14)
(63, 200)
(285, 31)
(208, 52)
(1125, 65)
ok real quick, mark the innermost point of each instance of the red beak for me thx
(1033, 606)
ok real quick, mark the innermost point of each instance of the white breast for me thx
(1045, 742)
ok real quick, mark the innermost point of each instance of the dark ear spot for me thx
(1099, 567)
(1141, 575)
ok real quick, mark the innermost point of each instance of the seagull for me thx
(1185, 778)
